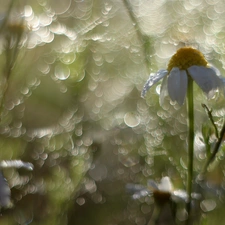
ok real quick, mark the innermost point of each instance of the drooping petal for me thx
(206, 79)
(177, 85)
(137, 190)
(216, 70)
(179, 195)
(173, 83)
(16, 164)
(134, 187)
(163, 91)
(153, 78)
(151, 184)
(183, 87)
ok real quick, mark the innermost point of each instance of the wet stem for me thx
(190, 144)
(215, 150)
(11, 56)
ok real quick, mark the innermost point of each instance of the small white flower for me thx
(186, 62)
(161, 192)
(164, 191)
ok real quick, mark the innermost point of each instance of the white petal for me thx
(179, 195)
(134, 187)
(152, 185)
(163, 91)
(16, 164)
(153, 78)
(137, 190)
(183, 87)
(165, 185)
(140, 194)
(215, 69)
(177, 85)
(206, 79)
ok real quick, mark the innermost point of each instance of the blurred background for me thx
(72, 73)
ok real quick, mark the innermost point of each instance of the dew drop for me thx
(131, 119)
(62, 72)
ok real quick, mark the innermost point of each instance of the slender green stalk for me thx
(190, 144)
(145, 39)
(209, 112)
(215, 150)
(155, 215)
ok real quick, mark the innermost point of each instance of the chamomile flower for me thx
(162, 192)
(186, 62)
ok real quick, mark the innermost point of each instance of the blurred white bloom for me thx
(186, 62)
(162, 192)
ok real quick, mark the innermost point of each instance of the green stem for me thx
(190, 144)
(209, 112)
(145, 39)
(215, 150)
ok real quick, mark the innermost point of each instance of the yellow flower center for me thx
(186, 57)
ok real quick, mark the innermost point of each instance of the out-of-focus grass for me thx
(72, 106)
